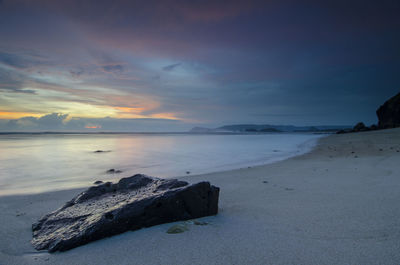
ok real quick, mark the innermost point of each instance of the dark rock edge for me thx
(165, 201)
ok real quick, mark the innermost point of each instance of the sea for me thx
(37, 163)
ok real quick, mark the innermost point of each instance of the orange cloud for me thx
(7, 115)
(92, 126)
(136, 113)
(168, 116)
(130, 110)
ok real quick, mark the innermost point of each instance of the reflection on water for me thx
(38, 163)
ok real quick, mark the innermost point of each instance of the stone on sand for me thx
(113, 208)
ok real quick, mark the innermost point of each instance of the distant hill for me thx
(241, 128)
(201, 130)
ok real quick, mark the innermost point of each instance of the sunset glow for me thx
(92, 126)
(198, 64)
(5, 115)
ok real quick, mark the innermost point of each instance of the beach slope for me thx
(338, 204)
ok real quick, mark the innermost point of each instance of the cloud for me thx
(12, 82)
(12, 60)
(58, 122)
(53, 121)
(171, 67)
(21, 59)
(113, 68)
(12, 89)
(76, 73)
(111, 54)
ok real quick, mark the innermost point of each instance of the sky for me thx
(174, 64)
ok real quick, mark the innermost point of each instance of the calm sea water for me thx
(39, 163)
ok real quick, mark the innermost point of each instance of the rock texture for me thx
(359, 127)
(113, 171)
(132, 203)
(389, 113)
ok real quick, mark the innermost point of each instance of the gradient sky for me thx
(171, 65)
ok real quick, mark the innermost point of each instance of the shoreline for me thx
(268, 155)
(328, 206)
(306, 148)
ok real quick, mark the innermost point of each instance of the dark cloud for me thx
(13, 82)
(21, 59)
(113, 68)
(76, 73)
(14, 60)
(171, 67)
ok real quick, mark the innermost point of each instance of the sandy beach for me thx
(338, 204)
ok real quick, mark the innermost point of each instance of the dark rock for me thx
(113, 208)
(359, 127)
(113, 171)
(389, 113)
(373, 127)
(102, 151)
(98, 182)
(341, 132)
(171, 184)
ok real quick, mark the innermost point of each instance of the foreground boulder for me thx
(389, 113)
(132, 203)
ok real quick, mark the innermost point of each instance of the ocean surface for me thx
(34, 163)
